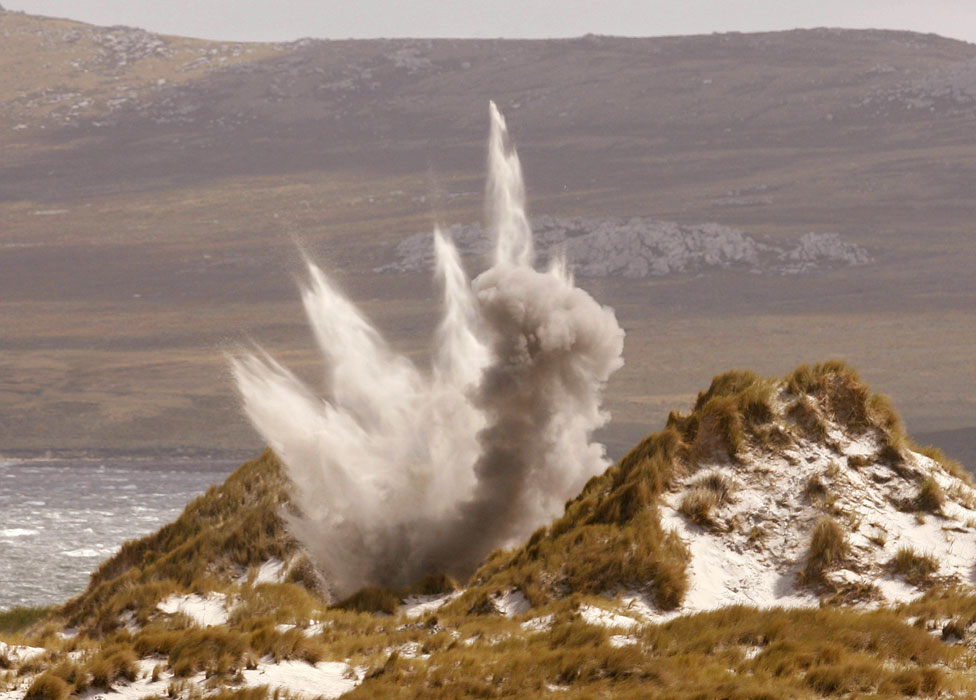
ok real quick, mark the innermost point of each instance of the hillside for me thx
(784, 538)
(152, 189)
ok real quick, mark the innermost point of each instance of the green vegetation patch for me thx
(20, 618)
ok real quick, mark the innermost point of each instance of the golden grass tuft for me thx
(113, 663)
(930, 497)
(47, 686)
(704, 495)
(915, 567)
(828, 547)
(949, 465)
(720, 432)
(736, 404)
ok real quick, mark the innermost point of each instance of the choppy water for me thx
(59, 519)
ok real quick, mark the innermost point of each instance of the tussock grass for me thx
(47, 686)
(842, 396)
(804, 414)
(828, 547)
(915, 567)
(815, 489)
(286, 603)
(704, 495)
(930, 497)
(212, 650)
(114, 663)
(949, 465)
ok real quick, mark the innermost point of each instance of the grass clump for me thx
(113, 663)
(930, 497)
(815, 489)
(47, 686)
(844, 397)
(287, 603)
(378, 599)
(704, 495)
(804, 414)
(720, 432)
(213, 650)
(828, 547)
(736, 404)
(915, 567)
(949, 465)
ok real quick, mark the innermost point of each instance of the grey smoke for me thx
(399, 472)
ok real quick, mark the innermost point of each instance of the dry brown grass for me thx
(951, 466)
(828, 547)
(47, 686)
(915, 567)
(704, 495)
(930, 497)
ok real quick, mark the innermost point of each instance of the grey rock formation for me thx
(642, 247)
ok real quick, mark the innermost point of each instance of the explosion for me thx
(398, 472)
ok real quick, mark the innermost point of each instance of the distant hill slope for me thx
(165, 107)
(152, 188)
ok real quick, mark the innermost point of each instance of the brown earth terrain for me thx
(153, 190)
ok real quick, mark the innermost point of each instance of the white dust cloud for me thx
(399, 472)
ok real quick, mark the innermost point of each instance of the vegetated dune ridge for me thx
(782, 539)
(160, 181)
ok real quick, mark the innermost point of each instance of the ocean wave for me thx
(17, 532)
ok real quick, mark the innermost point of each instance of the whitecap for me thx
(82, 553)
(17, 532)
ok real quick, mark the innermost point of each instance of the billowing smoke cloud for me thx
(398, 472)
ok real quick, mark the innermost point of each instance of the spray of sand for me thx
(399, 472)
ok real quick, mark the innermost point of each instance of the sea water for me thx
(60, 519)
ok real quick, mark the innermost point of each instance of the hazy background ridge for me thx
(151, 190)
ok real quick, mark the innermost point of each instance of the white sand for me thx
(756, 554)
(206, 611)
(326, 679)
(418, 606)
(594, 615)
